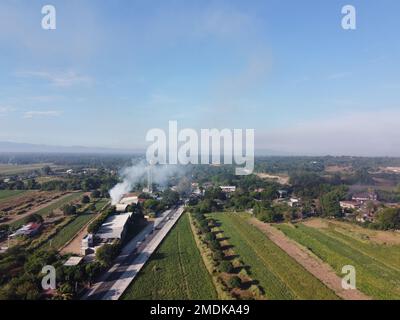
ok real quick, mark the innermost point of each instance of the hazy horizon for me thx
(111, 71)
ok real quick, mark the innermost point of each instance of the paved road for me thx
(134, 255)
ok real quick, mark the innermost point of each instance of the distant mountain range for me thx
(10, 147)
(42, 148)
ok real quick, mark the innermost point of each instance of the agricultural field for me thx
(21, 204)
(49, 209)
(10, 169)
(70, 230)
(9, 194)
(280, 276)
(374, 254)
(101, 203)
(175, 270)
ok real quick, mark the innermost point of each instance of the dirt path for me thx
(74, 246)
(35, 209)
(312, 264)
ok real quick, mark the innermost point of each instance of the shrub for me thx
(235, 282)
(217, 255)
(225, 266)
(69, 210)
(214, 245)
(85, 199)
(96, 224)
(107, 253)
(95, 194)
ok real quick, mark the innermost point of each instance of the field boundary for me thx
(83, 228)
(222, 295)
(319, 269)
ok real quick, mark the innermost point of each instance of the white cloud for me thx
(35, 114)
(58, 79)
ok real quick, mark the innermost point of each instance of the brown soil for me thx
(74, 246)
(311, 263)
(37, 205)
(27, 201)
(281, 179)
(341, 169)
(316, 223)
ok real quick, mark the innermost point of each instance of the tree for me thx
(91, 270)
(235, 282)
(36, 261)
(85, 199)
(106, 254)
(170, 197)
(95, 194)
(209, 237)
(65, 292)
(69, 210)
(225, 266)
(150, 204)
(214, 193)
(32, 184)
(19, 185)
(46, 170)
(27, 290)
(214, 245)
(217, 255)
(36, 218)
(266, 213)
(388, 218)
(330, 205)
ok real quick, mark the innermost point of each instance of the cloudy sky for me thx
(112, 70)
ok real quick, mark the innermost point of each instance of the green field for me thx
(47, 210)
(377, 265)
(175, 270)
(101, 203)
(280, 276)
(10, 169)
(9, 194)
(69, 231)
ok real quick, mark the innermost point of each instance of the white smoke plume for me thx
(137, 173)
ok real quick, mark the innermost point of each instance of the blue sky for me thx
(112, 70)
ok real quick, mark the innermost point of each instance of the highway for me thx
(133, 257)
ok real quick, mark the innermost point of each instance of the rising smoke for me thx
(137, 173)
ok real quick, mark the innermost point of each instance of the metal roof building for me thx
(114, 227)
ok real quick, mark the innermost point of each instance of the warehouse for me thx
(114, 228)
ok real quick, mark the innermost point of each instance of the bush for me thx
(85, 199)
(217, 255)
(37, 218)
(209, 237)
(225, 266)
(96, 224)
(107, 253)
(95, 194)
(388, 218)
(235, 282)
(214, 245)
(69, 210)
